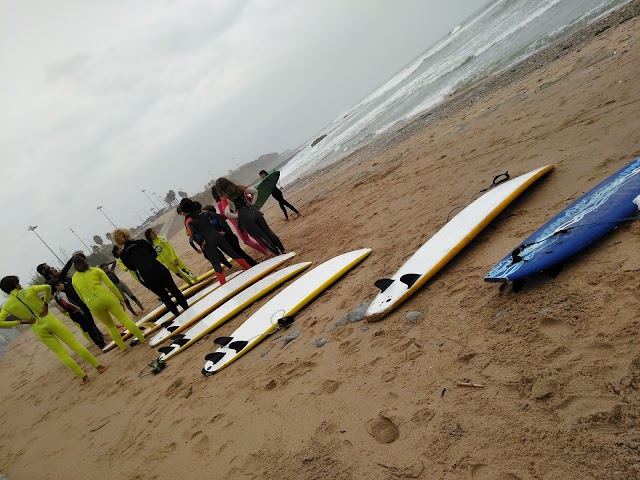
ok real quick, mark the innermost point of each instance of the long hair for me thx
(120, 236)
(228, 188)
(8, 284)
(214, 193)
(147, 235)
(80, 263)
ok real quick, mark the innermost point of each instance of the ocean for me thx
(500, 34)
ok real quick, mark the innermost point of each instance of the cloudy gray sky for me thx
(102, 99)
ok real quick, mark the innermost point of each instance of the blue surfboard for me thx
(586, 220)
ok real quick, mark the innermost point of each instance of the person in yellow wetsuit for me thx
(167, 256)
(26, 305)
(89, 284)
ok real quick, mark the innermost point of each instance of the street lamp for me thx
(145, 194)
(33, 229)
(88, 249)
(138, 215)
(161, 202)
(234, 161)
(99, 207)
(212, 177)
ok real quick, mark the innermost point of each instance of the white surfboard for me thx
(286, 303)
(230, 309)
(217, 298)
(156, 317)
(446, 244)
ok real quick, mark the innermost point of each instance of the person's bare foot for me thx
(101, 368)
(85, 379)
(125, 351)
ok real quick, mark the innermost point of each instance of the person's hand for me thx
(81, 312)
(45, 310)
(31, 321)
(203, 244)
(175, 262)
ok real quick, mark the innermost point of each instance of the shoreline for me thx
(472, 94)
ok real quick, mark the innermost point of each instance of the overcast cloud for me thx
(101, 99)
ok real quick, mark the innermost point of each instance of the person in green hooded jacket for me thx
(168, 256)
(26, 305)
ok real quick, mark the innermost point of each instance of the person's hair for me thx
(8, 284)
(228, 189)
(54, 282)
(147, 235)
(120, 236)
(42, 268)
(263, 171)
(102, 265)
(210, 208)
(197, 204)
(80, 263)
(215, 194)
(188, 206)
(178, 210)
(114, 251)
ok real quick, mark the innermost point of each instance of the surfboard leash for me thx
(494, 183)
(154, 367)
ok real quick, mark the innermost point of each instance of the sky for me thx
(99, 100)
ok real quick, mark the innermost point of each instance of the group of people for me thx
(98, 292)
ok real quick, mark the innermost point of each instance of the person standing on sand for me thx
(209, 237)
(242, 233)
(75, 312)
(192, 242)
(249, 217)
(120, 285)
(24, 303)
(89, 284)
(140, 256)
(49, 273)
(220, 223)
(279, 197)
(167, 256)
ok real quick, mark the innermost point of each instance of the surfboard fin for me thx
(409, 279)
(214, 357)
(166, 324)
(165, 350)
(222, 341)
(383, 283)
(172, 328)
(517, 285)
(238, 345)
(181, 341)
(176, 336)
(207, 373)
(556, 269)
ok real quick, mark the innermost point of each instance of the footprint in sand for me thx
(383, 429)
(330, 386)
(199, 442)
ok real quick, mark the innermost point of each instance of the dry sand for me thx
(560, 360)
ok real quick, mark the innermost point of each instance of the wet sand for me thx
(559, 361)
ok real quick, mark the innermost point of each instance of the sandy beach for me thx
(559, 361)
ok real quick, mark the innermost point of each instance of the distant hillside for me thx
(247, 174)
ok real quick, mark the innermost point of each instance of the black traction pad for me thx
(383, 283)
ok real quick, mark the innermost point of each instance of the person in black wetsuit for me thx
(140, 256)
(249, 217)
(200, 228)
(85, 320)
(279, 197)
(192, 242)
(219, 222)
